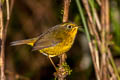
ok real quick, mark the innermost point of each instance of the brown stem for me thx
(8, 17)
(66, 10)
(99, 2)
(93, 27)
(94, 53)
(2, 44)
(105, 27)
(107, 16)
(102, 39)
(93, 30)
(63, 56)
(94, 61)
(3, 35)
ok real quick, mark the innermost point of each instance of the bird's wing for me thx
(46, 40)
(45, 43)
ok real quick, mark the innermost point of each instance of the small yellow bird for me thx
(56, 41)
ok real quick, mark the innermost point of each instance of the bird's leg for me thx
(52, 63)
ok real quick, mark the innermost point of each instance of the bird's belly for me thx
(56, 50)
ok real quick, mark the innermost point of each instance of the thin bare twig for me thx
(93, 28)
(2, 43)
(95, 15)
(7, 5)
(89, 25)
(103, 43)
(9, 11)
(102, 71)
(3, 35)
(94, 53)
(99, 2)
(112, 73)
(107, 16)
(66, 10)
(107, 28)
(94, 61)
(92, 46)
(97, 20)
(101, 40)
(113, 64)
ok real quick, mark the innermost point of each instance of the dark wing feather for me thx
(46, 40)
(40, 44)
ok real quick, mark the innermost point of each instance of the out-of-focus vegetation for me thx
(30, 18)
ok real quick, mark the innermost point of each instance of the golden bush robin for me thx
(54, 41)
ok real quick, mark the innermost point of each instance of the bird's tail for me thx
(20, 42)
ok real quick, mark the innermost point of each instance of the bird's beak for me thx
(81, 29)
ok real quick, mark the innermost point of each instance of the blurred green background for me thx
(29, 19)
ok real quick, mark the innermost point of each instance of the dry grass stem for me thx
(100, 30)
(2, 43)
(97, 19)
(3, 35)
(94, 61)
(99, 2)
(93, 28)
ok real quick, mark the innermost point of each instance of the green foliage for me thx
(114, 16)
(67, 68)
(2, 1)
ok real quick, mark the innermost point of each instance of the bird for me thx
(54, 42)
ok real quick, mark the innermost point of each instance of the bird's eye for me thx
(69, 26)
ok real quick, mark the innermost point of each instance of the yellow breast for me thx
(61, 47)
